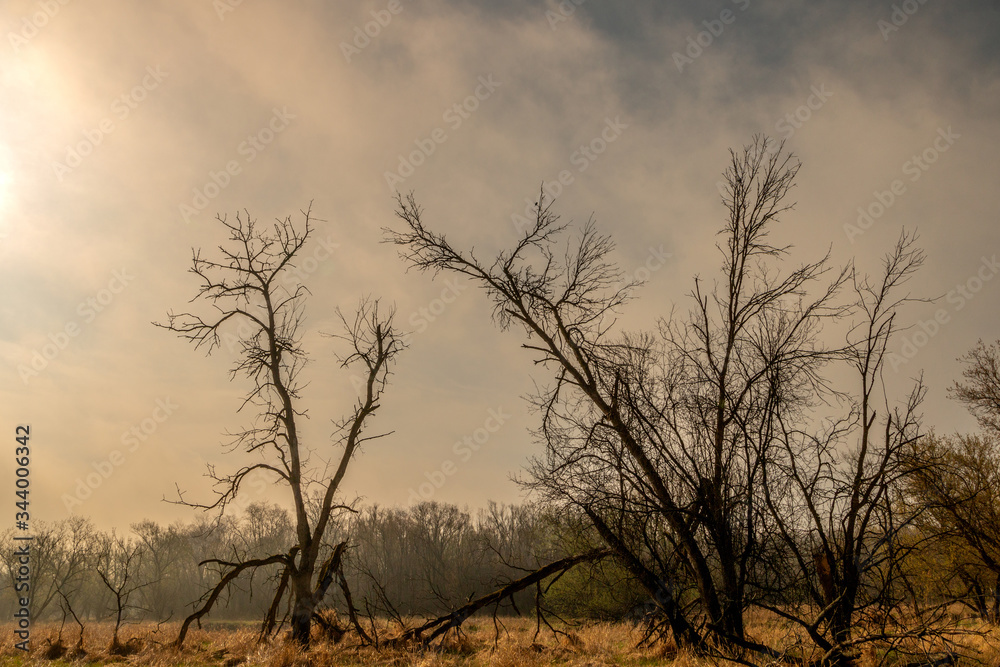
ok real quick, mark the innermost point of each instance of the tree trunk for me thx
(843, 614)
(441, 625)
(979, 601)
(685, 635)
(995, 615)
(302, 609)
(728, 621)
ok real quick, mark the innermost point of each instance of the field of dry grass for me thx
(590, 645)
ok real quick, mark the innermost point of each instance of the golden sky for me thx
(126, 127)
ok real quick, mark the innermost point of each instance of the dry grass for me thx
(590, 645)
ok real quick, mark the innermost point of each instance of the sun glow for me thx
(19, 79)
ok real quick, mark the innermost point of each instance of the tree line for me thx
(415, 561)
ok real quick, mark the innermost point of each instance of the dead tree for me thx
(439, 627)
(564, 309)
(649, 437)
(666, 443)
(244, 284)
(67, 608)
(981, 390)
(119, 567)
(832, 490)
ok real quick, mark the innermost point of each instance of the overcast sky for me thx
(126, 127)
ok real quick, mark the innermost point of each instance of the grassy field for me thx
(231, 644)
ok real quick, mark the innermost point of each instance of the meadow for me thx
(512, 643)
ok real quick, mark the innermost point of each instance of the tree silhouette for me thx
(693, 451)
(243, 284)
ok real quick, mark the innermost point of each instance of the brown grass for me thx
(231, 644)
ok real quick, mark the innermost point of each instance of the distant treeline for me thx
(425, 560)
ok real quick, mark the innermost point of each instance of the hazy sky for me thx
(125, 127)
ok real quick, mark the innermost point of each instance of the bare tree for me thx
(244, 286)
(957, 481)
(119, 566)
(686, 450)
(981, 391)
(61, 555)
(833, 491)
(749, 348)
(164, 552)
(647, 437)
(954, 480)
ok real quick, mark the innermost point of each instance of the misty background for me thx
(116, 120)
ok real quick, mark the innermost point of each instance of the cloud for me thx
(356, 118)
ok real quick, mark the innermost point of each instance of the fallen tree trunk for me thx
(443, 624)
(237, 569)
